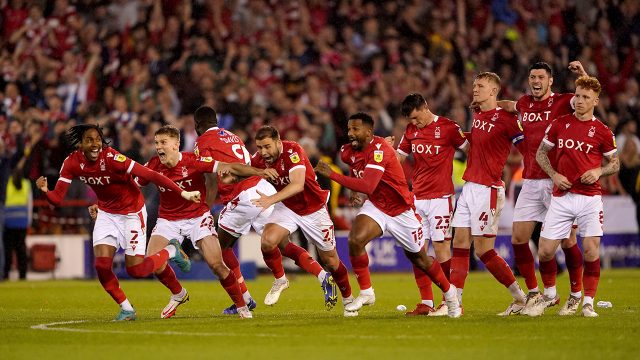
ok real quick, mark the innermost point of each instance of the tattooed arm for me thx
(612, 167)
(542, 158)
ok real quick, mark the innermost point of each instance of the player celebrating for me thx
(479, 206)
(582, 142)
(239, 213)
(433, 141)
(122, 218)
(378, 174)
(536, 112)
(179, 219)
(300, 203)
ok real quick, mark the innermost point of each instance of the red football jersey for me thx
(535, 117)
(492, 134)
(433, 148)
(392, 195)
(224, 146)
(109, 177)
(188, 175)
(312, 198)
(581, 145)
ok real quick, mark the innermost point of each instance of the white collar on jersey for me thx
(213, 128)
(179, 156)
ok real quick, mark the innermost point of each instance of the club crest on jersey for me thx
(207, 159)
(294, 158)
(494, 117)
(437, 132)
(120, 158)
(592, 131)
(103, 166)
(550, 102)
(378, 155)
(185, 172)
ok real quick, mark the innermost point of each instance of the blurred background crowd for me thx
(303, 66)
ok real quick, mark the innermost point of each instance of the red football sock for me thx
(591, 277)
(548, 272)
(341, 277)
(108, 279)
(302, 258)
(150, 264)
(525, 264)
(360, 266)
(573, 259)
(424, 283)
(459, 267)
(273, 259)
(437, 276)
(233, 264)
(446, 269)
(168, 278)
(230, 285)
(498, 267)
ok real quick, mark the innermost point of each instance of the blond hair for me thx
(589, 83)
(492, 77)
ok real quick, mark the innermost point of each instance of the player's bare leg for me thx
(460, 259)
(574, 261)
(227, 241)
(104, 268)
(339, 274)
(548, 271)
(432, 268)
(212, 254)
(484, 248)
(364, 230)
(591, 275)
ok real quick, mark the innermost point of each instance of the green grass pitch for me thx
(298, 326)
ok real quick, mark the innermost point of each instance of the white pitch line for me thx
(55, 327)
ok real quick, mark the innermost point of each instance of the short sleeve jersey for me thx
(109, 177)
(433, 148)
(492, 135)
(580, 146)
(224, 146)
(535, 117)
(312, 198)
(188, 175)
(392, 195)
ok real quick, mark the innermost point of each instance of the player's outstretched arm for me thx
(243, 170)
(542, 157)
(161, 180)
(366, 185)
(56, 196)
(592, 175)
(295, 186)
(508, 105)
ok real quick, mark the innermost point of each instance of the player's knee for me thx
(545, 254)
(136, 271)
(591, 253)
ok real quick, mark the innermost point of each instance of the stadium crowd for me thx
(301, 66)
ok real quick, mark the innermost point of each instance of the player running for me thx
(121, 222)
(378, 174)
(299, 203)
(433, 141)
(582, 141)
(536, 113)
(479, 206)
(179, 220)
(239, 213)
